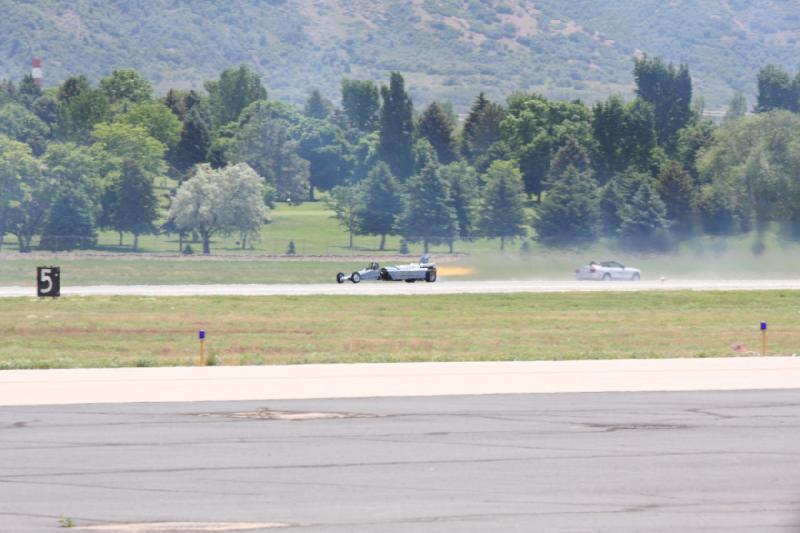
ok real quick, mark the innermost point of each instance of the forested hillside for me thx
(447, 49)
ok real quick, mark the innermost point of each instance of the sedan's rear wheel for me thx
(636, 276)
(606, 277)
(355, 277)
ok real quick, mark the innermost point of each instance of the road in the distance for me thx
(622, 462)
(444, 286)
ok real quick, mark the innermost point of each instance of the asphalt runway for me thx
(382, 288)
(622, 462)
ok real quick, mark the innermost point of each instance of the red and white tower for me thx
(36, 71)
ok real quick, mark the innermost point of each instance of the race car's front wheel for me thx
(430, 276)
(339, 278)
(355, 277)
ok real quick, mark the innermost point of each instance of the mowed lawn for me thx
(137, 331)
(177, 271)
(322, 251)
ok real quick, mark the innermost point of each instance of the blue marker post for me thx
(763, 338)
(202, 336)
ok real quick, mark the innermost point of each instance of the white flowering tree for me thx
(227, 200)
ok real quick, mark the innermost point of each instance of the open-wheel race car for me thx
(424, 270)
(372, 272)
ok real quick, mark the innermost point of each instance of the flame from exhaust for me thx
(455, 271)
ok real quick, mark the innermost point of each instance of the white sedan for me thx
(607, 271)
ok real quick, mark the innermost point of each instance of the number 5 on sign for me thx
(48, 281)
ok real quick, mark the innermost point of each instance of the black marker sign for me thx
(48, 281)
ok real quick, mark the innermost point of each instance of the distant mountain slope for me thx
(445, 48)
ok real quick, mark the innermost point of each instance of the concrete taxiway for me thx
(280, 382)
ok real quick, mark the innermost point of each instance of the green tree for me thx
(16, 165)
(757, 158)
(737, 108)
(30, 210)
(568, 215)
(397, 128)
(133, 205)
(380, 204)
(155, 117)
(535, 128)
(435, 126)
(345, 202)
(503, 203)
(692, 141)
(22, 125)
(327, 151)
(317, 106)
(23, 194)
(481, 129)
(261, 110)
(776, 90)
(624, 136)
(120, 141)
(182, 102)
(365, 155)
(676, 188)
(465, 196)
(126, 85)
(28, 91)
(428, 215)
(424, 155)
(222, 149)
(571, 154)
(72, 87)
(74, 166)
(361, 103)
(644, 220)
(614, 195)
(720, 209)
(195, 141)
(80, 108)
(234, 91)
(46, 108)
(70, 222)
(8, 91)
(669, 90)
(499, 151)
(267, 145)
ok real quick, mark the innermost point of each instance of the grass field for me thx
(135, 331)
(310, 226)
(130, 269)
(322, 244)
(119, 271)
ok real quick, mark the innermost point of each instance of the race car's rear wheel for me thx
(430, 276)
(339, 278)
(355, 277)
